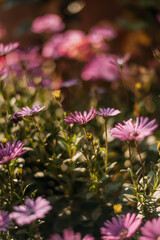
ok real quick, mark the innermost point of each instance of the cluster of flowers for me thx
(129, 131)
(90, 48)
(123, 227)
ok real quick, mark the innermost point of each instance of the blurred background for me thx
(137, 22)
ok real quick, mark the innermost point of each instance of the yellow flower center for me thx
(134, 134)
(123, 232)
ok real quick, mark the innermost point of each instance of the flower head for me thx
(102, 67)
(71, 44)
(4, 220)
(134, 131)
(48, 23)
(5, 49)
(123, 227)
(31, 211)
(79, 118)
(151, 230)
(99, 33)
(68, 234)
(11, 151)
(107, 112)
(26, 111)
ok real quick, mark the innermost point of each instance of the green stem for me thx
(92, 163)
(142, 166)
(11, 182)
(106, 156)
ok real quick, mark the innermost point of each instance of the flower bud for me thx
(89, 136)
(117, 208)
(57, 94)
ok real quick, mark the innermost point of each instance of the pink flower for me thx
(5, 49)
(79, 118)
(123, 227)
(151, 230)
(26, 111)
(11, 151)
(4, 220)
(75, 45)
(134, 131)
(51, 49)
(98, 33)
(107, 112)
(102, 67)
(68, 234)
(71, 44)
(31, 211)
(48, 23)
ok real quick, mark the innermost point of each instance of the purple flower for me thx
(31, 211)
(26, 111)
(4, 220)
(134, 131)
(102, 67)
(69, 83)
(11, 151)
(123, 227)
(79, 118)
(68, 234)
(48, 23)
(151, 230)
(5, 49)
(107, 112)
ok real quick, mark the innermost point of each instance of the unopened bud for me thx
(138, 85)
(19, 171)
(4, 140)
(117, 208)
(57, 94)
(89, 136)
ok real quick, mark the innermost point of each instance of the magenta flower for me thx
(31, 211)
(11, 151)
(68, 234)
(4, 220)
(79, 118)
(123, 227)
(151, 230)
(5, 49)
(134, 131)
(103, 67)
(48, 23)
(107, 112)
(26, 111)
